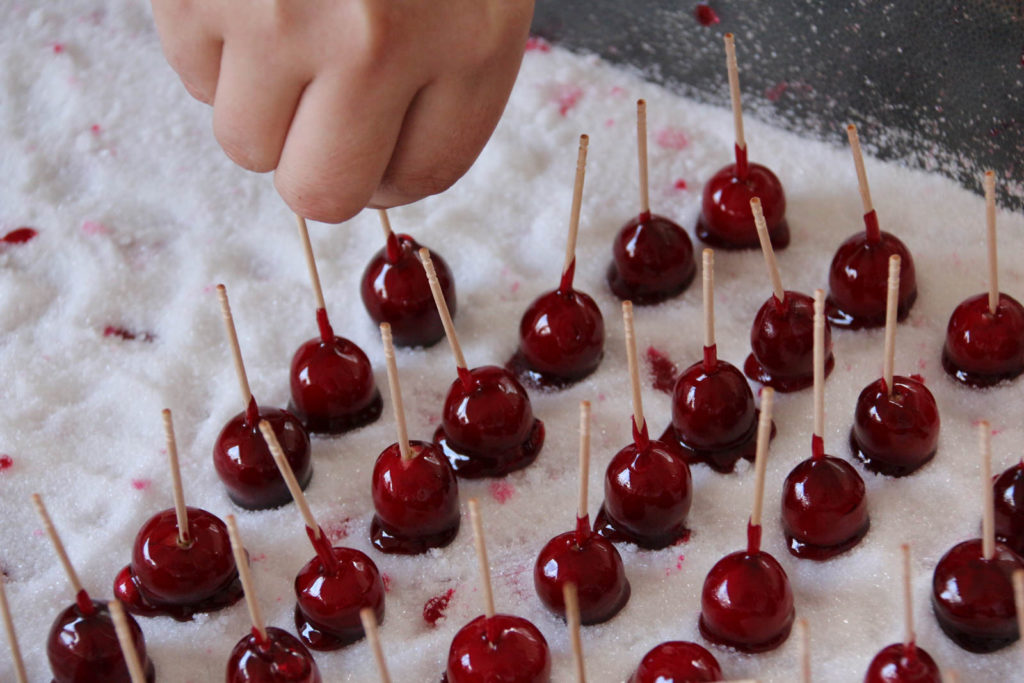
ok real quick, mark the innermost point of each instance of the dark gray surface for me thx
(937, 84)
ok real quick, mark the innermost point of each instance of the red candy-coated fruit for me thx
(487, 427)
(725, 220)
(895, 434)
(652, 260)
(973, 597)
(333, 389)
(898, 664)
(591, 563)
(824, 507)
(647, 495)
(83, 648)
(281, 659)
(782, 340)
(857, 281)
(395, 290)
(165, 578)
(329, 598)
(983, 348)
(1008, 496)
(502, 648)
(677, 662)
(417, 501)
(245, 466)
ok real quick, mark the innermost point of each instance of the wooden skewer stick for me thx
(804, 650)
(180, 511)
(634, 365)
(289, 477)
(988, 525)
(993, 248)
(442, 308)
(385, 222)
(734, 88)
(245, 575)
(12, 636)
(1018, 601)
(236, 350)
(764, 434)
(641, 153)
(767, 250)
(369, 620)
(581, 508)
(481, 557)
(396, 392)
(858, 162)
(708, 257)
(577, 203)
(124, 637)
(819, 363)
(58, 545)
(891, 310)
(908, 600)
(950, 676)
(307, 249)
(572, 617)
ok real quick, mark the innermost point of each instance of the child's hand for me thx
(354, 102)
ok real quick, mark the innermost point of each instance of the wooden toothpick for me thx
(993, 246)
(819, 363)
(734, 89)
(988, 525)
(12, 636)
(289, 477)
(708, 258)
(442, 308)
(58, 545)
(124, 637)
(396, 392)
(572, 617)
(180, 511)
(236, 350)
(908, 600)
(641, 150)
(858, 162)
(385, 222)
(767, 250)
(804, 650)
(634, 365)
(764, 434)
(245, 576)
(891, 310)
(481, 557)
(1018, 602)
(369, 620)
(581, 508)
(307, 249)
(577, 203)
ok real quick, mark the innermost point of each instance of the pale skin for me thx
(352, 103)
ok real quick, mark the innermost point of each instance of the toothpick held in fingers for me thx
(764, 434)
(641, 149)
(12, 636)
(245, 576)
(708, 258)
(891, 311)
(442, 308)
(236, 350)
(124, 637)
(180, 511)
(988, 525)
(396, 392)
(733, 70)
(572, 617)
(634, 365)
(577, 203)
(385, 222)
(858, 162)
(908, 599)
(581, 508)
(767, 250)
(804, 650)
(58, 545)
(993, 245)
(1018, 601)
(289, 477)
(819, 363)
(369, 620)
(307, 250)
(481, 557)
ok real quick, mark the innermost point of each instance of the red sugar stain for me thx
(680, 184)
(126, 334)
(258, 558)
(617, 91)
(501, 491)
(567, 97)
(671, 138)
(514, 287)
(922, 364)
(705, 15)
(337, 529)
(679, 562)
(94, 228)
(775, 92)
(58, 48)
(608, 123)
(141, 484)
(386, 579)
(537, 44)
(685, 538)
(19, 236)
(95, 128)
(434, 609)
(600, 397)
(6, 462)
(663, 371)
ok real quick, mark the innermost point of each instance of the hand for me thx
(353, 102)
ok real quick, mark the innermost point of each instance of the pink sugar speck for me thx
(6, 462)
(680, 184)
(501, 491)
(95, 128)
(567, 97)
(386, 579)
(514, 287)
(671, 138)
(617, 91)
(141, 484)
(608, 123)
(94, 228)
(58, 48)
(258, 558)
(537, 44)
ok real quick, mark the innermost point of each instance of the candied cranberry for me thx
(858, 281)
(500, 648)
(782, 339)
(895, 433)
(652, 260)
(899, 664)
(83, 648)
(1009, 507)
(725, 220)
(282, 658)
(983, 348)
(677, 662)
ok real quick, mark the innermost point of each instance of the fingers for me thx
(191, 45)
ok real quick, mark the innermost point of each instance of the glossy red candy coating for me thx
(824, 508)
(677, 662)
(395, 290)
(858, 281)
(166, 578)
(782, 340)
(652, 260)
(83, 648)
(282, 659)
(502, 649)
(726, 221)
(982, 348)
(895, 433)
(487, 425)
(417, 501)
(561, 339)
(895, 664)
(1008, 496)
(591, 563)
(329, 600)
(973, 597)
(245, 466)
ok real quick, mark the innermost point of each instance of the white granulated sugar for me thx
(139, 214)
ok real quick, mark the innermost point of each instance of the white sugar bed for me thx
(139, 215)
